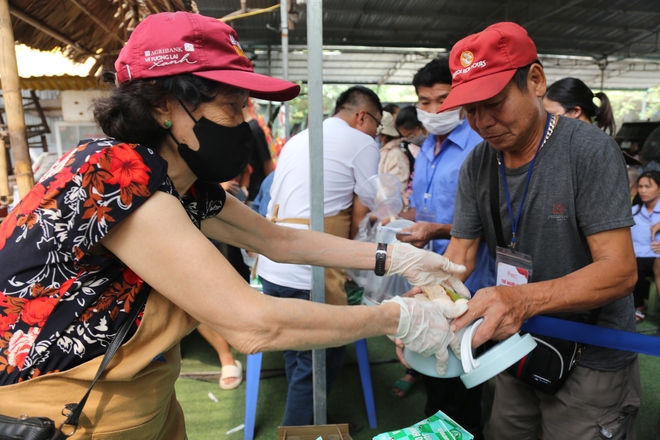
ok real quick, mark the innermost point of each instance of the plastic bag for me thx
(367, 233)
(437, 427)
(376, 289)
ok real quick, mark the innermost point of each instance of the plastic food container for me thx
(476, 371)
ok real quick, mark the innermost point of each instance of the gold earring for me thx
(168, 124)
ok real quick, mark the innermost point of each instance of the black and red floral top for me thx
(61, 305)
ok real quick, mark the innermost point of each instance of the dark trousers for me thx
(463, 405)
(641, 290)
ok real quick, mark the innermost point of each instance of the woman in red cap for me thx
(138, 207)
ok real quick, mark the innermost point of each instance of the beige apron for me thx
(340, 226)
(134, 399)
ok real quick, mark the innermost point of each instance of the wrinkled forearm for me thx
(277, 324)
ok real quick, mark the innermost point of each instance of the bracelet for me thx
(381, 255)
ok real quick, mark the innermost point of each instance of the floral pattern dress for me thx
(61, 302)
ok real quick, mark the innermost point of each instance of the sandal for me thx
(229, 372)
(402, 385)
(639, 316)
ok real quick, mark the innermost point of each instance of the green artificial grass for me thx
(206, 419)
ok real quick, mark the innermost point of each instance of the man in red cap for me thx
(549, 196)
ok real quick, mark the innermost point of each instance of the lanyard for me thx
(514, 222)
(434, 166)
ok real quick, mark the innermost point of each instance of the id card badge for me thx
(425, 215)
(513, 268)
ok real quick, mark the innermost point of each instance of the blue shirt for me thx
(437, 176)
(260, 202)
(641, 230)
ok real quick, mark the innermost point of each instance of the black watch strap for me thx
(381, 255)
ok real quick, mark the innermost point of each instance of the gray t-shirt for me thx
(578, 187)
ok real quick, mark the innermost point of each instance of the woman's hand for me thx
(423, 268)
(424, 328)
(654, 230)
(655, 246)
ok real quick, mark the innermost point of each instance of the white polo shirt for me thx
(349, 158)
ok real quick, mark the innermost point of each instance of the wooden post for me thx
(4, 178)
(11, 93)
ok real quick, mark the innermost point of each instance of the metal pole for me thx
(11, 93)
(284, 8)
(315, 115)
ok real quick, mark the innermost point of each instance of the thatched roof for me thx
(84, 28)
(58, 82)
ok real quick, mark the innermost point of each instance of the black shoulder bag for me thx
(43, 428)
(547, 367)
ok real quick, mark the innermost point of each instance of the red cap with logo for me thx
(482, 64)
(175, 43)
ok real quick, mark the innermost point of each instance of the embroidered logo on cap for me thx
(467, 58)
(237, 46)
(170, 55)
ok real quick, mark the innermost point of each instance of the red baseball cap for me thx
(482, 64)
(175, 43)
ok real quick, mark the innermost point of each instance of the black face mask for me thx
(223, 151)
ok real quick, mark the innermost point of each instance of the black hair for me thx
(125, 114)
(407, 118)
(391, 108)
(653, 175)
(572, 92)
(355, 97)
(435, 72)
(520, 77)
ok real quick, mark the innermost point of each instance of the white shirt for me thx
(349, 158)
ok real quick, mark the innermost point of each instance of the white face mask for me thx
(439, 123)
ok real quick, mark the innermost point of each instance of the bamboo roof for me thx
(84, 28)
(58, 82)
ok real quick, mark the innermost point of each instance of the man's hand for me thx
(504, 311)
(420, 234)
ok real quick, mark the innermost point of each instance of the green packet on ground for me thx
(437, 427)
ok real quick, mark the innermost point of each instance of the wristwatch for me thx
(381, 255)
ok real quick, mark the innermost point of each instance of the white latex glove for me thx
(424, 328)
(424, 268)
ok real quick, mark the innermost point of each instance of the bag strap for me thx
(75, 409)
(495, 202)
